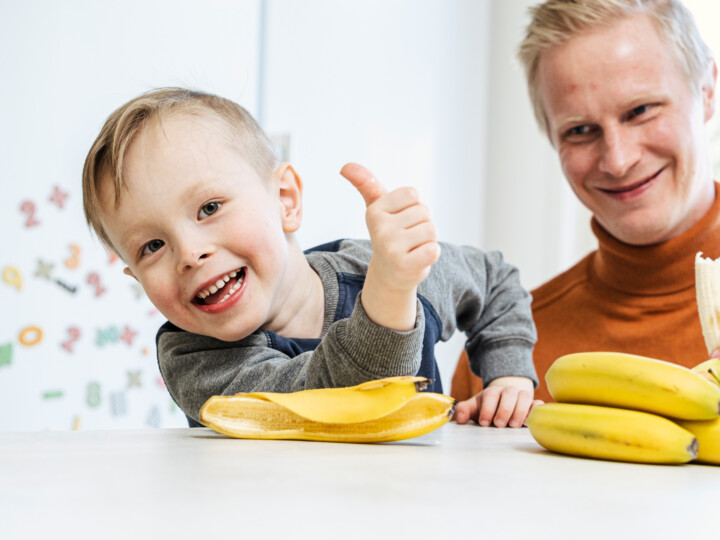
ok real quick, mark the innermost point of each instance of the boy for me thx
(185, 188)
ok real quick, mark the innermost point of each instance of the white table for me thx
(459, 481)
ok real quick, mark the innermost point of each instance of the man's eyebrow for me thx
(571, 121)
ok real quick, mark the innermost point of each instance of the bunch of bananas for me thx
(630, 408)
(382, 410)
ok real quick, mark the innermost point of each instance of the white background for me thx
(423, 92)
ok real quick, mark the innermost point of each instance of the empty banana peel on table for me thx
(384, 410)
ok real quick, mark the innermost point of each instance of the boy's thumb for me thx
(364, 182)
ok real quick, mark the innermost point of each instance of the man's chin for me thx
(638, 231)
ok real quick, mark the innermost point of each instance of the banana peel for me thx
(376, 411)
(366, 401)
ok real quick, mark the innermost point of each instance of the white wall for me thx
(532, 216)
(400, 86)
(65, 66)
(424, 92)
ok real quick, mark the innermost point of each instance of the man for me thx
(623, 90)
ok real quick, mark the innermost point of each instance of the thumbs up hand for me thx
(404, 242)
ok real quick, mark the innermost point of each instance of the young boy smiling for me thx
(185, 188)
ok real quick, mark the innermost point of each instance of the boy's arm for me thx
(480, 294)
(355, 350)
(404, 244)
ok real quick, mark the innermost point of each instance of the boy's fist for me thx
(404, 239)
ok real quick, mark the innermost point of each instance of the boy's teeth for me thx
(232, 290)
(219, 284)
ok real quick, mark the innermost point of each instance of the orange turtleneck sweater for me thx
(634, 299)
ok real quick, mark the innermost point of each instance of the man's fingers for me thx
(364, 182)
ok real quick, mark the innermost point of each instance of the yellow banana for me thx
(609, 433)
(247, 417)
(710, 369)
(633, 382)
(366, 401)
(707, 433)
(707, 291)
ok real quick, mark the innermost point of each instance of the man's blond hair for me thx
(555, 22)
(105, 160)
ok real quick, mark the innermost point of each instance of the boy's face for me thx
(200, 230)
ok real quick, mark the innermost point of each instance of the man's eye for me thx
(152, 246)
(208, 209)
(578, 130)
(637, 111)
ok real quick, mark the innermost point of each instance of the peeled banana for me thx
(633, 382)
(265, 416)
(707, 290)
(707, 433)
(609, 433)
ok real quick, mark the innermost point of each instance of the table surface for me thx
(458, 481)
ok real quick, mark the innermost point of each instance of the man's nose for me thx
(620, 152)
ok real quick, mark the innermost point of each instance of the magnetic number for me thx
(74, 260)
(32, 335)
(94, 279)
(11, 276)
(74, 333)
(28, 207)
(93, 394)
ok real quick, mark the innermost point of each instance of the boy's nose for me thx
(192, 258)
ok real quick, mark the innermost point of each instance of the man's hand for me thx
(404, 242)
(506, 401)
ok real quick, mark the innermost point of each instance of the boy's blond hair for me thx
(555, 22)
(105, 160)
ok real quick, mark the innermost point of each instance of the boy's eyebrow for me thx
(199, 188)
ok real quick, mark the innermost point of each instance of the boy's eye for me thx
(208, 209)
(152, 246)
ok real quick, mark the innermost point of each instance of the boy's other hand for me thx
(506, 401)
(404, 242)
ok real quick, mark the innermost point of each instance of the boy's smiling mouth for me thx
(222, 289)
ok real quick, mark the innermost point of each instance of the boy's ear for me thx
(289, 187)
(129, 272)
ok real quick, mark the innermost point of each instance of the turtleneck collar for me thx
(663, 268)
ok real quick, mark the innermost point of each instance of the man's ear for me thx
(708, 90)
(129, 272)
(289, 187)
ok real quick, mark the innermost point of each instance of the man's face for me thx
(199, 229)
(629, 130)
